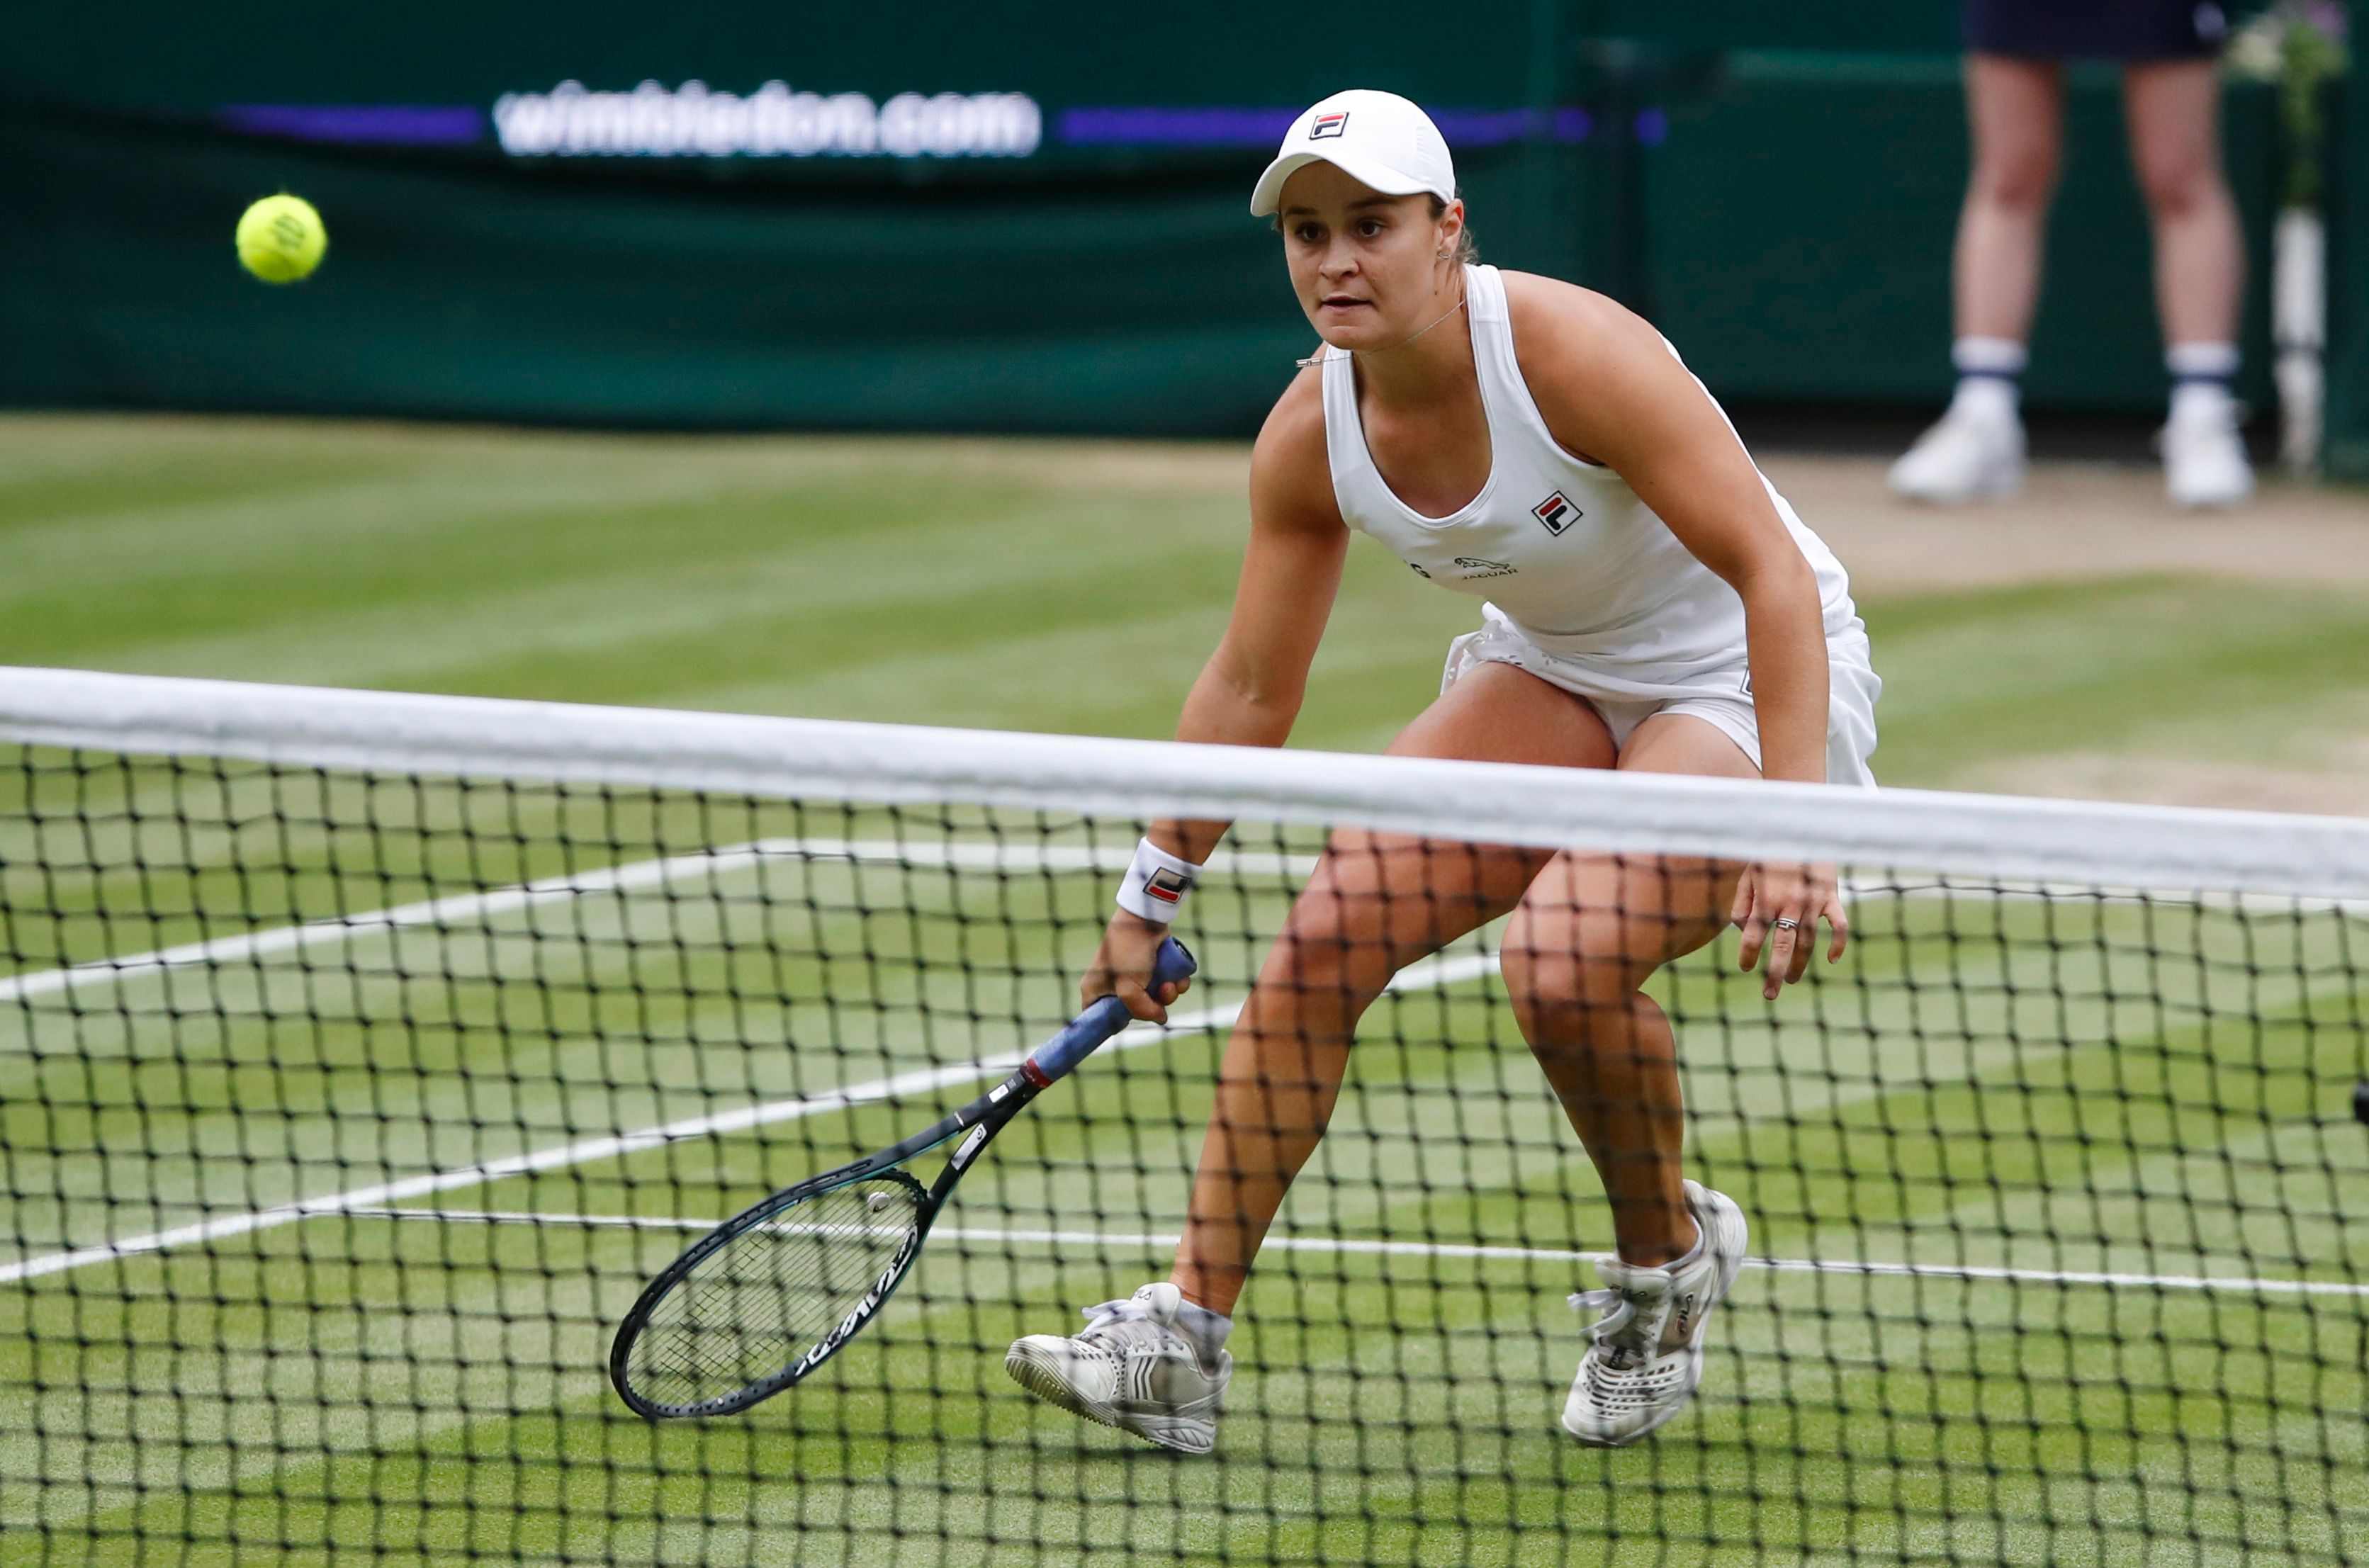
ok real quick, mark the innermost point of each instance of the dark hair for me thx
(1468, 250)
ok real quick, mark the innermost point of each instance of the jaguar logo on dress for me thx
(1557, 512)
(1482, 566)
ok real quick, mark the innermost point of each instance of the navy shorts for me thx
(2096, 30)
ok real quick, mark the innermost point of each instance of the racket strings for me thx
(756, 1305)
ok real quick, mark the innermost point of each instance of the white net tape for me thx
(2097, 846)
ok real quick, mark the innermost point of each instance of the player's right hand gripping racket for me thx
(771, 1294)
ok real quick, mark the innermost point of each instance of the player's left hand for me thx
(1779, 906)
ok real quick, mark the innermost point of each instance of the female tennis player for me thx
(1654, 605)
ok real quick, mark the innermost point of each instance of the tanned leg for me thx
(1590, 931)
(1377, 903)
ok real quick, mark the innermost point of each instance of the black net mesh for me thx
(344, 1116)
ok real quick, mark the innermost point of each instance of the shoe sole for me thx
(1041, 1379)
(2217, 501)
(2005, 490)
(1728, 1272)
(1668, 1414)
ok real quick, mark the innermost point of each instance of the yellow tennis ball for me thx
(281, 239)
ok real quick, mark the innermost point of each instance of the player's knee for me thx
(1351, 923)
(1335, 940)
(1557, 991)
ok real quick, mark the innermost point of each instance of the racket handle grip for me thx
(1086, 1031)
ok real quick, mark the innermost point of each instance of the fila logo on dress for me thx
(1329, 125)
(1557, 512)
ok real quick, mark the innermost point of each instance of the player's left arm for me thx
(1612, 392)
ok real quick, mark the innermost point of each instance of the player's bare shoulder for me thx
(1557, 323)
(1291, 473)
(1589, 361)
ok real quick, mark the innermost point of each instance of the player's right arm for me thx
(1249, 693)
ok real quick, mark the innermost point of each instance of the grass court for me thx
(2061, 1197)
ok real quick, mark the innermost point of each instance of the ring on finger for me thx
(1786, 922)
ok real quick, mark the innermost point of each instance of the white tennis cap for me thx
(1377, 139)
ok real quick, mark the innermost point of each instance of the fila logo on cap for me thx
(1557, 512)
(1394, 148)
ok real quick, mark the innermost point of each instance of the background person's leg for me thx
(2015, 112)
(2016, 119)
(2173, 109)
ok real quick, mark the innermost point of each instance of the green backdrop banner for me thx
(168, 54)
(858, 221)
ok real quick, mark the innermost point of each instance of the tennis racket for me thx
(759, 1302)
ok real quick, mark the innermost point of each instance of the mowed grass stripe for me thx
(1723, 1084)
(1863, 1378)
(1341, 1397)
(713, 1124)
(1005, 1236)
(589, 567)
(1913, 1114)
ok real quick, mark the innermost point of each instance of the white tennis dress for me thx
(1586, 587)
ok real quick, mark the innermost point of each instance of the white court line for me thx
(450, 911)
(1374, 1246)
(1431, 973)
(972, 855)
(459, 908)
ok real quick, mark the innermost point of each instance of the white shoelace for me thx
(1626, 1334)
(1129, 1321)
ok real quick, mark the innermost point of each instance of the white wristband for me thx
(1156, 884)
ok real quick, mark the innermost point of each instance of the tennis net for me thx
(363, 1056)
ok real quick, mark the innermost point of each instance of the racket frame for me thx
(983, 1118)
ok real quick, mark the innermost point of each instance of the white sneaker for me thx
(1130, 1369)
(1975, 453)
(1647, 1357)
(2204, 460)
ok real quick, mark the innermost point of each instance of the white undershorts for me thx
(1720, 696)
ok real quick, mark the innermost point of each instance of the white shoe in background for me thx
(1975, 452)
(1646, 1356)
(2205, 462)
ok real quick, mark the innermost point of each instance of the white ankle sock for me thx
(1988, 356)
(2201, 373)
(1988, 369)
(2200, 360)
